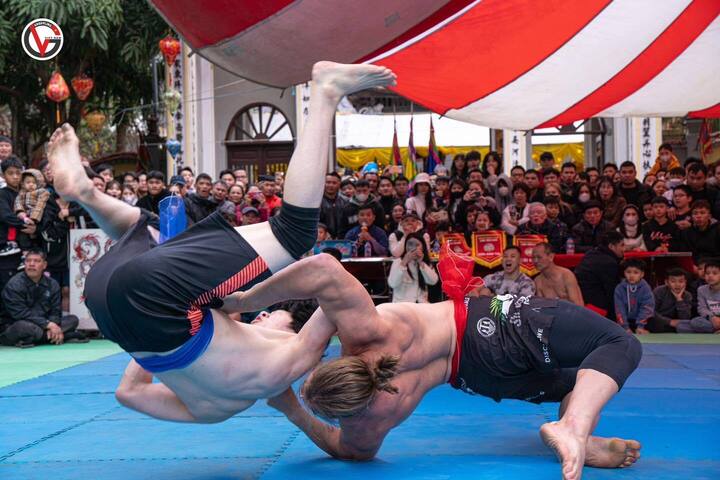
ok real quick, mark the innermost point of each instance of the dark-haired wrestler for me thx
(538, 350)
(164, 303)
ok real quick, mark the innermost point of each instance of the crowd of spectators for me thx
(602, 213)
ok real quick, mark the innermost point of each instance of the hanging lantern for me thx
(95, 121)
(173, 147)
(170, 48)
(57, 90)
(172, 100)
(82, 85)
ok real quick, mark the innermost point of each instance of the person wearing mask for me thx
(332, 205)
(598, 274)
(588, 232)
(370, 240)
(518, 212)
(199, 205)
(665, 160)
(422, 195)
(412, 273)
(584, 195)
(347, 189)
(631, 230)
(129, 196)
(660, 234)
(539, 224)
(503, 191)
(634, 192)
(361, 199)
(156, 192)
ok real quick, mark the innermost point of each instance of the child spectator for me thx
(659, 233)
(30, 203)
(673, 303)
(634, 301)
(708, 303)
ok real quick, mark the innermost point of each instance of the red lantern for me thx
(170, 48)
(57, 90)
(82, 85)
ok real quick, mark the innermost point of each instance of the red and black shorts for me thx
(151, 298)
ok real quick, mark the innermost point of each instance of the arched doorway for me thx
(260, 140)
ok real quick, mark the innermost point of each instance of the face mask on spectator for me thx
(503, 191)
(361, 197)
(129, 198)
(674, 182)
(584, 197)
(456, 194)
(665, 158)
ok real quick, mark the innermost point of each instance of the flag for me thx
(433, 157)
(410, 165)
(705, 144)
(396, 158)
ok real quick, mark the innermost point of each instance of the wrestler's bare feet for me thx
(69, 177)
(337, 79)
(611, 452)
(569, 448)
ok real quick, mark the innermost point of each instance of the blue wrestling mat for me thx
(67, 425)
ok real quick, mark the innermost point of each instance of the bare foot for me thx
(69, 178)
(337, 79)
(611, 452)
(569, 448)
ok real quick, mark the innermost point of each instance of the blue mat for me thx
(67, 425)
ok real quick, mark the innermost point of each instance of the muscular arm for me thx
(573, 289)
(136, 391)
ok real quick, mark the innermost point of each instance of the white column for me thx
(515, 149)
(205, 113)
(646, 136)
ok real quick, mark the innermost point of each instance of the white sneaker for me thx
(9, 249)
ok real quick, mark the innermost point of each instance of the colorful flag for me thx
(396, 158)
(410, 165)
(433, 157)
(705, 144)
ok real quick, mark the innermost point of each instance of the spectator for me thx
(410, 223)
(510, 280)
(565, 211)
(156, 192)
(631, 230)
(371, 240)
(411, 274)
(130, 179)
(583, 195)
(597, 273)
(402, 187)
(227, 177)
(386, 197)
(517, 175)
(532, 181)
(649, 179)
(347, 189)
(372, 178)
(236, 196)
(610, 170)
(114, 189)
(105, 170)
(708, 303)
(422, 196)
(659, 188)
(634, 192)
(634, 301)
(250, 215)
(551, 175)
(540, 225)
(491, 168)
(361, 199)
(6, 149)
(673, 303)
(332, 205)
(268, 187)
(568, 181)
(547, 160)
(30, 205)
(503, 192)
(660, 234)
(241, 177)
(697, 181)
(516, 213)
(458, 170)
(129, 196)
(554, 281)
(32, 303)
(613, 203)
(665, 160)
(457, 192)
(475, 175)
(97, 179)
(682, 200)
(177, 186)
(588, 232)
(323, 233)
(142, 187)
(396, 215)
(187, 174)
(593, 177)
(199, 205)
(703, 238)
(10, 224)
(442, 191)
(472, 161)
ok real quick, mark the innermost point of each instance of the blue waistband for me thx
(186, 354)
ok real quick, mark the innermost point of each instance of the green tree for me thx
(113, 41)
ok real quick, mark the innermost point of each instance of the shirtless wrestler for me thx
(535, 349)
(554, 281)
(163, 303)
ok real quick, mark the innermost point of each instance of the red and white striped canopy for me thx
(517, 64)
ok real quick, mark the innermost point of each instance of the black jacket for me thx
(39, 303)
(55, 234)
(655, 235)
(7, 213)
(702, 243)
(638, 195)
(598, 274)
(587, 237)
(152, 202)
(350, 214)
(198, 208)
(331, 214)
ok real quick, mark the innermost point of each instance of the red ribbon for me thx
(456, 272)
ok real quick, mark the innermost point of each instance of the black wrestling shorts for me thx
(150, 298)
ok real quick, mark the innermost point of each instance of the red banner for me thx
(488, 247)
(526, 243)
(456, 242)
